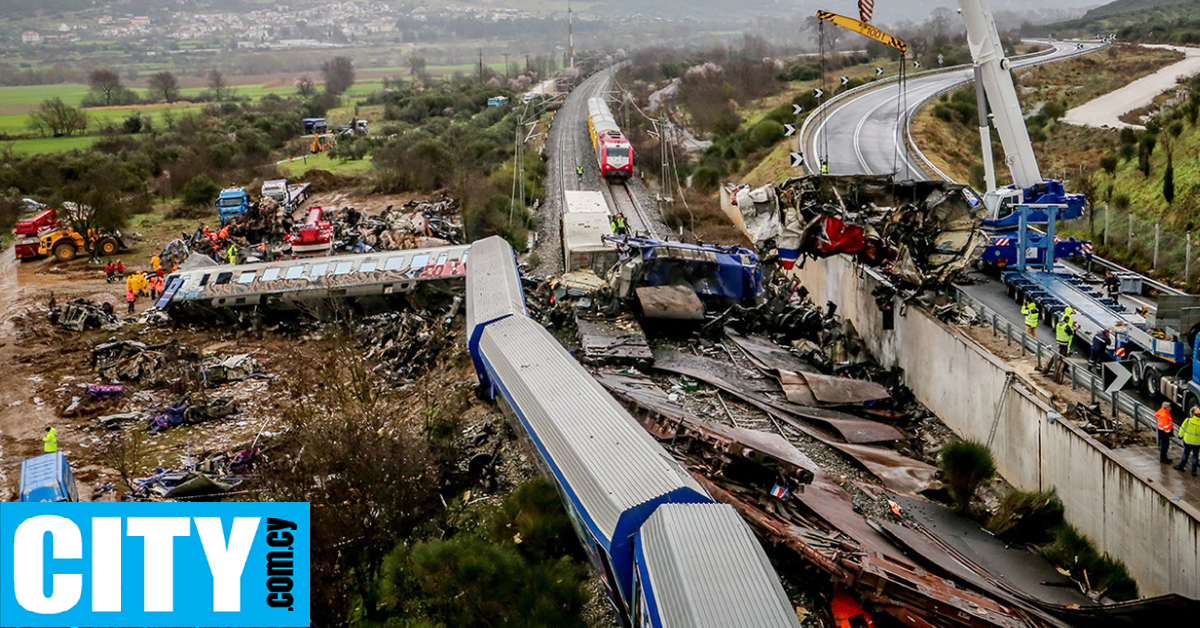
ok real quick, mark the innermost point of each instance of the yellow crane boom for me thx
(863, 28)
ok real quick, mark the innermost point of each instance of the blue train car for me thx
(697, 567)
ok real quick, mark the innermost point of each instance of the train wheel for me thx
(65, 251)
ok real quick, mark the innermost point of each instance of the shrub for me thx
(1073, 551)
(1121, 201)
(766, 133)
(966, 464)
(1026, 516)
(200, 190)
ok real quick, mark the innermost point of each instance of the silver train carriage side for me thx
(287, 283)
(651, 531)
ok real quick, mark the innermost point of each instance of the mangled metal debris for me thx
(678, 303)
(612, 340)
(82, 315)
(920, 232)
(837, 429)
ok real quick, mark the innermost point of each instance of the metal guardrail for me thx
(1079, 375)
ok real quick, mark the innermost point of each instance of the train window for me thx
(318, 270)
(223, 278)
(271, 274)
(394, 263)
(419, 261)
(294, 272)
(442, 259)
(618, 152)
(204, 280)
(247, 276)
(342, 268)
(368, 266)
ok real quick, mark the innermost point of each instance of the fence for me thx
(1076, 372)
(1138, 243)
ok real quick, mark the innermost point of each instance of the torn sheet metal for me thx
(670, 302)
(764, 393)
(908, 593)
(897, 472)
(612, 340)
(767, 355)
(830, 390)
(722, 447)
(801, 383)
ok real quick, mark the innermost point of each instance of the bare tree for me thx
(305, 86)
(164, 85)
(339, 75)
(97, 202)
(125, 451)
(106, 82)
(218, 86)
(57, 118)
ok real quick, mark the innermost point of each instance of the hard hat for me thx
(1068, 311)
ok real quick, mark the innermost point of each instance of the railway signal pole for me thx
(570, 35)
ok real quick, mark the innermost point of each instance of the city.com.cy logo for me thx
(154, 564)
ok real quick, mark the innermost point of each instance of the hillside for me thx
(1144, 21)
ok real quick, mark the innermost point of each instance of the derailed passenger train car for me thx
(613, 477)
(357, 280)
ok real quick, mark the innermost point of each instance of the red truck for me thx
(30, 231)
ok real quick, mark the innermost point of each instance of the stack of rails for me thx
(668, 555)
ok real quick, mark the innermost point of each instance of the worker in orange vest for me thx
(131, 298)
(1166, 429)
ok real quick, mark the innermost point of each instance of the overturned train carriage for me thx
(613, 477)
(366, 282)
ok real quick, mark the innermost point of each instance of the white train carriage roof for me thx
(585, 202)
(701, 567)
(601, 118)
(315, 274)
(607, 461)
(493, 284)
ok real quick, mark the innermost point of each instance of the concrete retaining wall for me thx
(1128, 516)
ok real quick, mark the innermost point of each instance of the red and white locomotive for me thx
(613, 152)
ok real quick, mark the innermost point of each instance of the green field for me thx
(294, 169)
(48, 144)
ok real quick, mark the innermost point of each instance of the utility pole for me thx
(481, 65)
(506, 65)
(570, 35)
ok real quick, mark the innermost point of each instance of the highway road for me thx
(865, 134)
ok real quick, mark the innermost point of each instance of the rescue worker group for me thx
(146, 283)
(1189, 430)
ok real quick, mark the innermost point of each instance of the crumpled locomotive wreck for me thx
(920, 232)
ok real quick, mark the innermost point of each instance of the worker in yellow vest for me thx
(1190, 433)
(1030, 310)
(1064, 333)
(50, 441)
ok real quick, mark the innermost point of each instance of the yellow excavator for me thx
(321, 143)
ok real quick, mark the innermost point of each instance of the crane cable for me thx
(823, 146)
(901, 112)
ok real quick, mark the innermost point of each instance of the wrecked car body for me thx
(920, 232)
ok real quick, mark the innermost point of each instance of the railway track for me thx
(625, 201)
